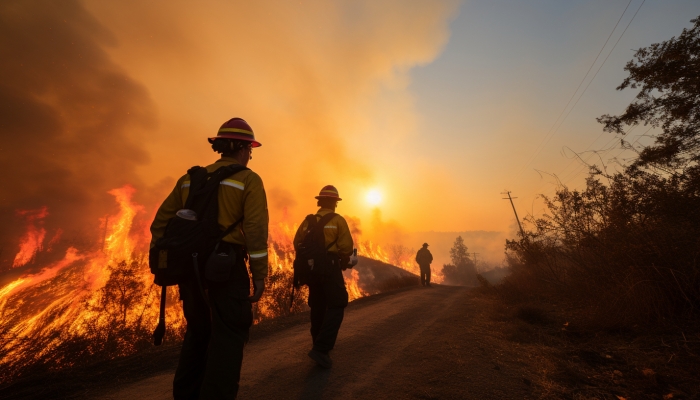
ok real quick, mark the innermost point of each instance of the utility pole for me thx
(477, 269)
(515, 212)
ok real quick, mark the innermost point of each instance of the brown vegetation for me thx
(624, 249)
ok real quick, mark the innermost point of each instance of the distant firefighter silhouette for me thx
(324, 248)
(424, 258)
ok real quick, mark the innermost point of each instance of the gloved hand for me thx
(258, 289)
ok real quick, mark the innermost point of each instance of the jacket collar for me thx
(228, 160)
(323, 211)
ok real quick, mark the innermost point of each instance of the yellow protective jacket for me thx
(242, 194)
(337, 227)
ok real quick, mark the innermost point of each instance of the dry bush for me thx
(278, 299)
(626, 251)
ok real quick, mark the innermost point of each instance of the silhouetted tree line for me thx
(627, 245)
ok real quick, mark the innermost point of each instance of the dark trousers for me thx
(212, 353)
(327, 300)
(425, 275)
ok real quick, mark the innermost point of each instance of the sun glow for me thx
(374, 197)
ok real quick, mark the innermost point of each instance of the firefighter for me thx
(327, 294)
(424, 259)
(218, 326)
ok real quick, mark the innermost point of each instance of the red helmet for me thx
(236, 128)
(329, 192)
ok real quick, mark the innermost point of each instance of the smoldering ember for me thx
(350, 200)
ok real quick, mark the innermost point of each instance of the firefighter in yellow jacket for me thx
(327, 294)
(217, 327)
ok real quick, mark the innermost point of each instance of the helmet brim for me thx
(255, 143)
(328, 197)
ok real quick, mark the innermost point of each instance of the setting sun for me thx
(374, 197)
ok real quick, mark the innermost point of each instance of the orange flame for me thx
(119, 244)
(30, 244)
(354, 290)
(82, 294)
(85, 297)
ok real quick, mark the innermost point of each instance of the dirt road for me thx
(426, 343)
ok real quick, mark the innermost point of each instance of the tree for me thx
(399, 253)
(122, 291)
(668, 75)
(462, 270)
(458, 252)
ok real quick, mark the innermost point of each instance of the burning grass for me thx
(99, 305)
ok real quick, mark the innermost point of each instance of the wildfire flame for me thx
(83, 296)
(354, 290)
(102, 302)
(31, 242)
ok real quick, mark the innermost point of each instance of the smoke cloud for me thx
(69, 117)
(313, 79)
(96, 95)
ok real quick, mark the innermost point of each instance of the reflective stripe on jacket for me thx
(337, 227)
(241, 194)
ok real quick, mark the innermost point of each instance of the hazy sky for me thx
(507, 72)
(438, 105)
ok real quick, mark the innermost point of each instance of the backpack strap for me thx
(326, 218)
(215, 178)
(223, 173)
(322, 223)
(229, 229)
(198, 178)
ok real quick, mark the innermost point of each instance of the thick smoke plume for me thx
(69, 118)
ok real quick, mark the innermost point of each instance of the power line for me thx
(546, 138)
(589, 83)
(601, 66)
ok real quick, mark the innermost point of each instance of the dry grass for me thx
(574, 359)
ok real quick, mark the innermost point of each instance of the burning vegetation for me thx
(102, 304)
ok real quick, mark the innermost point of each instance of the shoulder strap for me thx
(322, 223)
(215, 178)
(230, 228)
(221, 174)
(198, 178)
(326, 218)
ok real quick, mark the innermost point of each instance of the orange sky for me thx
(323, 84)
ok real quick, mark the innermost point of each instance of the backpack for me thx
(187, 243)
(312, 254)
